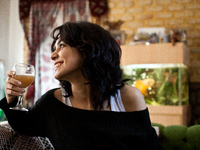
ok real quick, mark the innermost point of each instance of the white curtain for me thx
(75, 10)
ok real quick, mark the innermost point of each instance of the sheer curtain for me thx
(44, 17)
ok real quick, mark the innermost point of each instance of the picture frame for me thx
(119, 35)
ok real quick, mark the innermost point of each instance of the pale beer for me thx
(25, 79)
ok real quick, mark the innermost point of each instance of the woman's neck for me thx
(81, 96)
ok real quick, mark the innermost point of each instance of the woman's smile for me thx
(57, 65)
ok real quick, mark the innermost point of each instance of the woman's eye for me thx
(61, 46)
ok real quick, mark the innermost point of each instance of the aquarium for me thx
(160, 84)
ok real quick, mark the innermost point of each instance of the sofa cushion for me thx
(174, 137)
(9, 139)
(193, 136)
(179, 137)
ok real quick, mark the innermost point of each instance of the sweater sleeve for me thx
(5, 105)
(145, 133)
(152, 141)
(31, 122)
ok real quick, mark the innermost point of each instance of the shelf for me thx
(155, 54)
(170, 115)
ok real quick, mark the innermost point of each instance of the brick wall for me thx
(171, 14)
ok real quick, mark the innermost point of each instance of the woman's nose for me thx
(54, 55)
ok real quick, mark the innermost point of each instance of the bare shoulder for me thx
(58, 94)
(132, 98)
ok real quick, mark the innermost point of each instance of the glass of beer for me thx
(25, 73)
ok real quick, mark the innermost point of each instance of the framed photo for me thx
(119, 36)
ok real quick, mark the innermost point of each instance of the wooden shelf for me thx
(155, 54)
(170, 115)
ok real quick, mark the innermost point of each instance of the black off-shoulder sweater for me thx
(70, 128)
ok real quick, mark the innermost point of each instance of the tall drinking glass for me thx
(25, 73)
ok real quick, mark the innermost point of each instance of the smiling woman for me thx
(67, 60)
(94, 109)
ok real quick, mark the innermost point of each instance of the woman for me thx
(94, 109)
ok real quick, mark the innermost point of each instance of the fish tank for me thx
(160, 84)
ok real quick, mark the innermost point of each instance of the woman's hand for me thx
(12, 88)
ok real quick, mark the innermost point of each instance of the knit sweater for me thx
(77, 129)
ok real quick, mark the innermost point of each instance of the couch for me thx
(173, 137)
(11, 140)
(179, 137)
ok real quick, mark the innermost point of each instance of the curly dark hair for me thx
(101, 58)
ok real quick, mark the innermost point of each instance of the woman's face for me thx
(67, 61)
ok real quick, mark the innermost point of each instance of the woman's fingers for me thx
(13, 84)
(12, 88)
(11, 80)
(10, 73)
